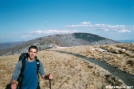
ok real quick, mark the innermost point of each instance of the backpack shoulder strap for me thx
(20, 78)
(23, 65)
(38, 64)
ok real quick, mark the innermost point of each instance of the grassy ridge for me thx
(71, 72)
(118, 55)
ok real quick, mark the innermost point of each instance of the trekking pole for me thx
(50, 84)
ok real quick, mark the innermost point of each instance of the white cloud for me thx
(85, 23)
(124, 31)
(51, 31)
(26, 36)
(37, 32)
(46, 32)
(104, 27)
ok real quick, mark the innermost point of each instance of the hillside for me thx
(81, 67)
(59, 40)
(118, 55)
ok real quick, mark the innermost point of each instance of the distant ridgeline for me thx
(88, 37)
(59, 40)
(6, 45)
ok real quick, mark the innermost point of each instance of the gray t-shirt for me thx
(17, 70)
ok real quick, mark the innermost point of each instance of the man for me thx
(30, 79)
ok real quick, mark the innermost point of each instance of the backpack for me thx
(22, 58)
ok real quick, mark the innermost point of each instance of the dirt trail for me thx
(126, 77)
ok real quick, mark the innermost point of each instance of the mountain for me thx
(59, 40)
(9, 44)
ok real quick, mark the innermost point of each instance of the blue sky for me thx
(22, 20)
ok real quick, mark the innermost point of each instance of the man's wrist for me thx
(14, 82)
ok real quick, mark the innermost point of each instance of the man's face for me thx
(32, 53)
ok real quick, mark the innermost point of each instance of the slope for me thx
(59, 40)
(69, 69)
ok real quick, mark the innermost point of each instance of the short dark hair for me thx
(33, 47)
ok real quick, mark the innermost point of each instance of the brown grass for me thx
(120, 56)
(69, 72)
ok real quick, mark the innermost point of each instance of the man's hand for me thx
(48, 76)
(14, 84)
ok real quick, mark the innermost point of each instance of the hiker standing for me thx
(30, 67)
